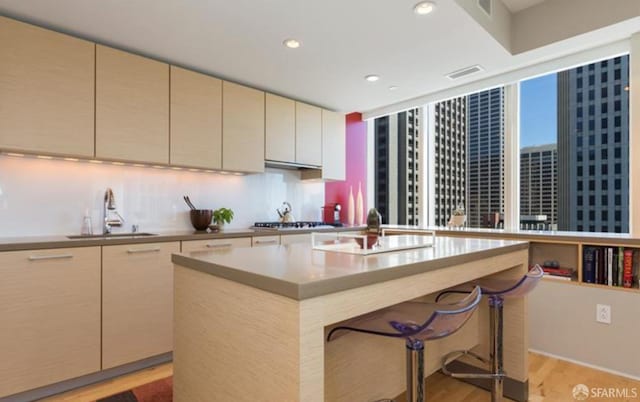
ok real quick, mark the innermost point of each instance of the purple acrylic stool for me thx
(497, 290)
(416, 323)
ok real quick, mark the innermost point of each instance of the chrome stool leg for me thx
(415, 371)
(497, 357)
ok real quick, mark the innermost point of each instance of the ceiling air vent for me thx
(464, 72)
(485, 5)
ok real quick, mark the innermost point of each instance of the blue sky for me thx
(538, 108)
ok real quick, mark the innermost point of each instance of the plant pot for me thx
(457, 221)
(201, 218)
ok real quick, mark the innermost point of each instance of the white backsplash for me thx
(50, 197)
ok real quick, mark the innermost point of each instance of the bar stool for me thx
(497, 290)
(415, 322)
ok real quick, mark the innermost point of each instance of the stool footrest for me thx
(449, 357)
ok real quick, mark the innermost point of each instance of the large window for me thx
(574, 154)
(397, 164)
(574, 160)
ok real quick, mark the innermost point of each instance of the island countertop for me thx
(299, 272)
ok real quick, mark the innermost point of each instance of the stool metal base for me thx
(497, 373)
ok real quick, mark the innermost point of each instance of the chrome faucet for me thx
(110, 205)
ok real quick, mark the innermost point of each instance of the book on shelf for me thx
(588, 265)
(609, 266)
(627, 275)
(558, 277)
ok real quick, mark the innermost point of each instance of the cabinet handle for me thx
(143, 250)
(266, 241)
(218, 245)
(49, 257)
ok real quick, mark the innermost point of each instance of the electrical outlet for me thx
(603, 313)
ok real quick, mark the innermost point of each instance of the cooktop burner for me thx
(291, 225)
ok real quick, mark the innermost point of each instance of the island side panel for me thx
(233, 342)
(348, 378)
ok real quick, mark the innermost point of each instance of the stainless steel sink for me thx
(111, 235)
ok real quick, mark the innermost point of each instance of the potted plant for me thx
(222, 216)
(458, 217)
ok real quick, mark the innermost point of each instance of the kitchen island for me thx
(250, 324)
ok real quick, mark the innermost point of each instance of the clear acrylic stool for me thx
(415, 322)
(497, 290)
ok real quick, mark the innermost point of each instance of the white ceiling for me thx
(241, 40)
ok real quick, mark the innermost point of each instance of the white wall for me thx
(49, 197)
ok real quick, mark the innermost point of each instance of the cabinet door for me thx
(49, 316)
(192, 246)
(242, 128)
(308, 134)
(259, 241)
(132, 107)
(295, 238)
(46, 91)
(333, 146)
(137, 302)
(196, 119)
(280, 129)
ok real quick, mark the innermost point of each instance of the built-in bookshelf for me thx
(566, 252)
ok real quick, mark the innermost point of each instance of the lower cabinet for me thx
(190, 246)
(137, 302)
(49, 316)
(259, 241)
(295, 238)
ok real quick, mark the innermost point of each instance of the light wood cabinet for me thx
(308, 134)
(49, 316)
(196, 120)
(46, 91)
(280, 129)
(192, 246)
(242, 128)
(295, 238)
(132, 107)
(333, 149)
(259, 241)
(333, 146)
(137, 302)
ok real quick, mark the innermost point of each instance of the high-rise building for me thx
(538, 183)
(397, 161)
(593, 147)
(485, 156)
(449, 157)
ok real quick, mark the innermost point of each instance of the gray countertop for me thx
(51, 242)
(299, 272)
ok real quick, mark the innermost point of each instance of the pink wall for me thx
(356, 167)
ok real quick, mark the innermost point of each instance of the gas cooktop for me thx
(300, 225)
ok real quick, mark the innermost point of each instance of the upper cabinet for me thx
(132, 107)
(46, 91)
(333, 146)
(196, 119)
(242, 128)
(280, 129)
(333, 149)
(308, 134)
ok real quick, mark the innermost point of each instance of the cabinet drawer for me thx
(49, 315)
(214, 244)
(295, 238)
(137, 302)
(259, 241)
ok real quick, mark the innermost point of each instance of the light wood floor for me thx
(550, 380)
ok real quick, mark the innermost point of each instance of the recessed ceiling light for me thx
(372, 77)
(292, 43)
(424, 7)
(393, 88)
